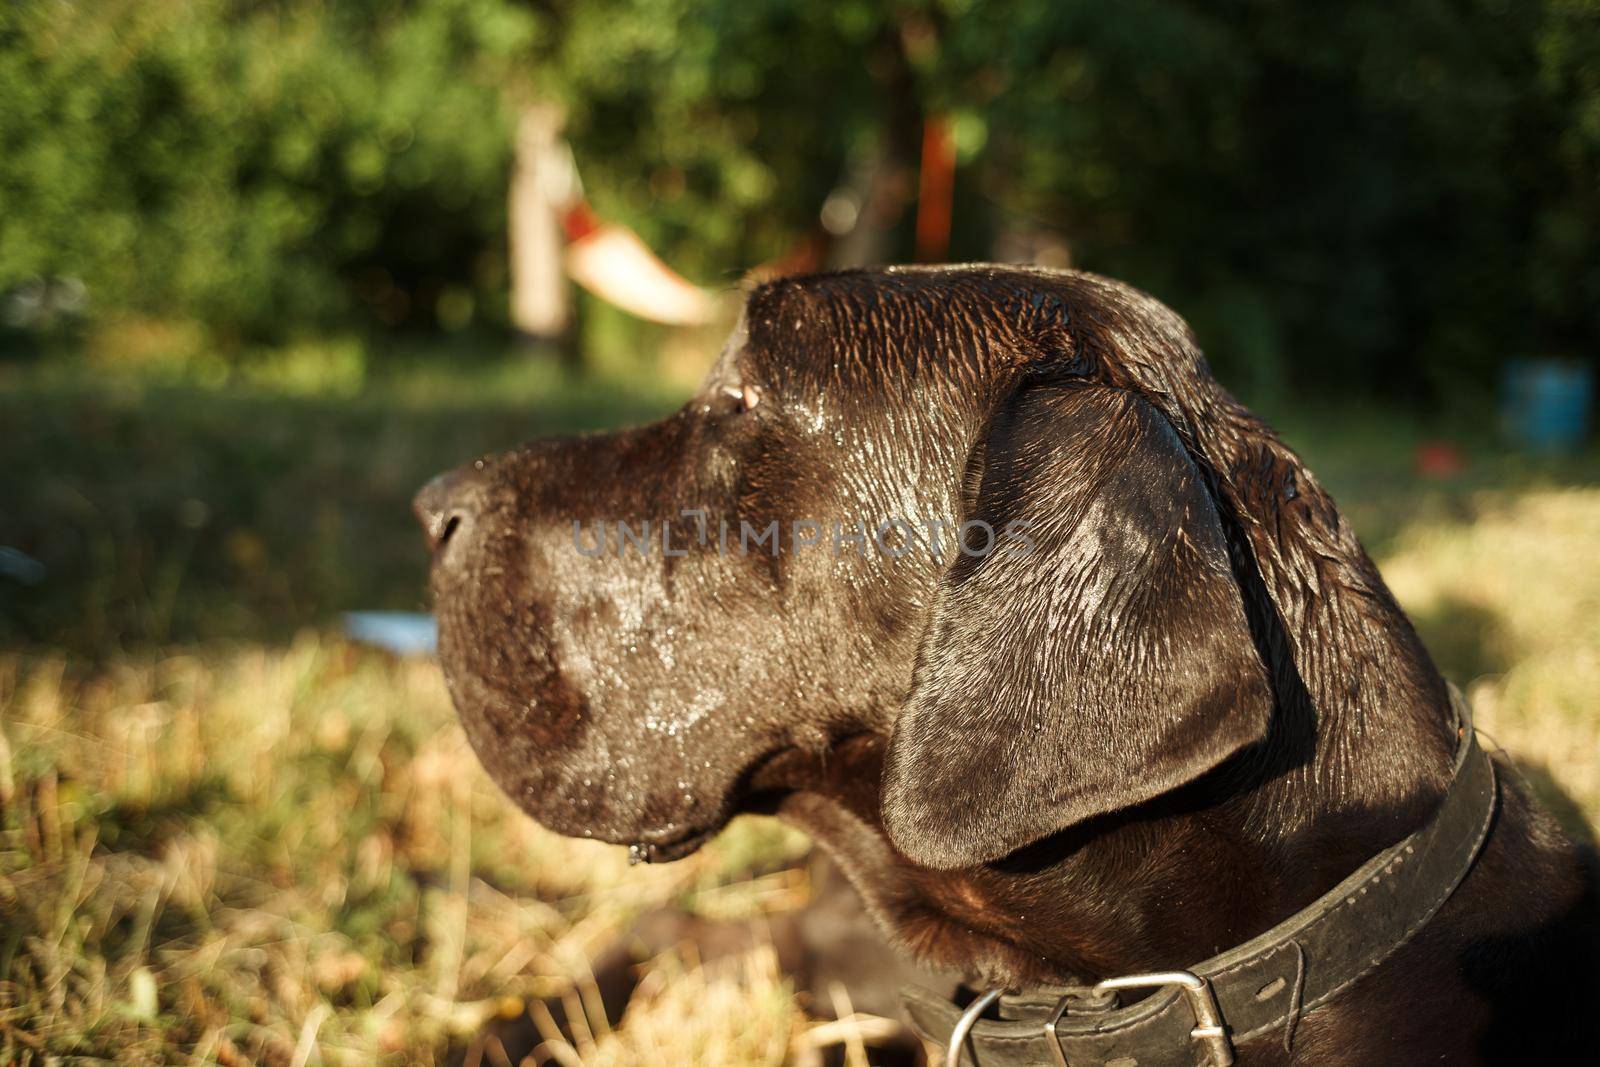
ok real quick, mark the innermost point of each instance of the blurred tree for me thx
(263, 167)
(1383, 195)
(1378, 193)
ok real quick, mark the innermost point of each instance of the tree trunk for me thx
(542, 184)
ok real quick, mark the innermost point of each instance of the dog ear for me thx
(1100, 658)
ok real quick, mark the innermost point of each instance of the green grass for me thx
(178, 513)
(229, 836)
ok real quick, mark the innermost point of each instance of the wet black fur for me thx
(1189, 712)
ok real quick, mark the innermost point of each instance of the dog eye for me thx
(745, 397)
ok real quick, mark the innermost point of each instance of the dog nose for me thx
(443, 508)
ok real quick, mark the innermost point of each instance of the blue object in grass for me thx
(405, 633)
(19, 566)
(1547, 403)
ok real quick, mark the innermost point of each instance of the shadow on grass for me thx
(127, 826)
(1467, 639)
(169, 515)
(1547, 788)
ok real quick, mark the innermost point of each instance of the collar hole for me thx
(1271, 989)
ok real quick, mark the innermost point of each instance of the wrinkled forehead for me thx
(863, 335)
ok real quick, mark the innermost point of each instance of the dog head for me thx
(954, 510)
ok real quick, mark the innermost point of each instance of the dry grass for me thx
(1508, 598)
(292, 857)
(289, 855)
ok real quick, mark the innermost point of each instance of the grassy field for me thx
(231, 837)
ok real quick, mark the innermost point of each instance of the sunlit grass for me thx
(257, 855)
(1508, 598)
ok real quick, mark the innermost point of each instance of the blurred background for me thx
(267, 265)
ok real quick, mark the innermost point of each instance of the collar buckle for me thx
(1209, 1032)
(958, 1036)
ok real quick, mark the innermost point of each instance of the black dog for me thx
(979, 577)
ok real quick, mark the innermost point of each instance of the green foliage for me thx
(718, 129)
(1384, 193)
(1396, 194)
(262, 167)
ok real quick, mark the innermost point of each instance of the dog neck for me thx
(1363, 717)
(1358, 754)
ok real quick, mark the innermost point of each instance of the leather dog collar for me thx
(1263, 985)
